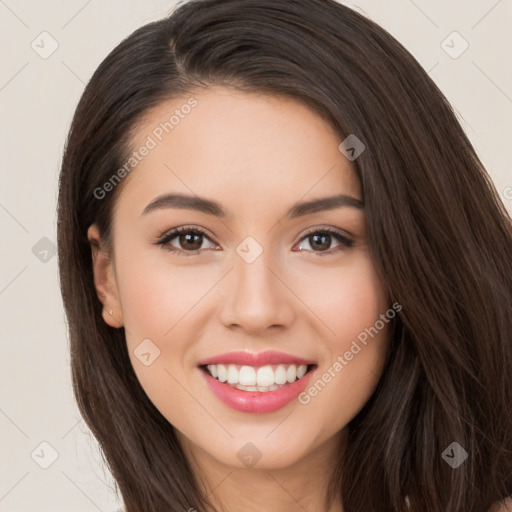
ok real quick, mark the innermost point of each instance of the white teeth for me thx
(212, 368)
(280, 375)
(247, 376)
(222, 373)
(232, 374)
(264, 378)
(291, 373)
(262, 389)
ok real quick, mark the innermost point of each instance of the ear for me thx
(105, 279)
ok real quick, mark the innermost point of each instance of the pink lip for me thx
(256, 401)
(252, 359)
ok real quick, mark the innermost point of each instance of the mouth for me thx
(262, 379)
(257, 383)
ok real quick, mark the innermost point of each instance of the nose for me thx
(256, 297)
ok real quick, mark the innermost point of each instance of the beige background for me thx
(37, 99)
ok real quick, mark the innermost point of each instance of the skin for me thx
(257, 155)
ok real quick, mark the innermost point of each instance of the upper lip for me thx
(256, 359)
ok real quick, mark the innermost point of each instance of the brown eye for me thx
(320, 241)
(189, 241)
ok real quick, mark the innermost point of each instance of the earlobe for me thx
(111, 319)
(105, 279)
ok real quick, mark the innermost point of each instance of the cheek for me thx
(344, 299)
(357, 340)
(157, 302)
(363, 337)
(163, 303)
(156, 295)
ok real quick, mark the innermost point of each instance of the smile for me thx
(263, 379)
(256, 387)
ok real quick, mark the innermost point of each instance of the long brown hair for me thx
(439, 234)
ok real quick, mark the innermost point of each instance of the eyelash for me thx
(166, 238)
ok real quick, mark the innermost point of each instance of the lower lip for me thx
(256, 401)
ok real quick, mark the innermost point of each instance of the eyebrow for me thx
(210, 207)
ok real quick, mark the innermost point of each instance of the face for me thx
(256, 288)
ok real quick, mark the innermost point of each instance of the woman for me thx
(286, 273)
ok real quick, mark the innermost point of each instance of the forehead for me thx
(243, 149)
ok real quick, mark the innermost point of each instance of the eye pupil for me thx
(188, 237)
(324, 237)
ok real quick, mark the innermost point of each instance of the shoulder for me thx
(502, 506)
